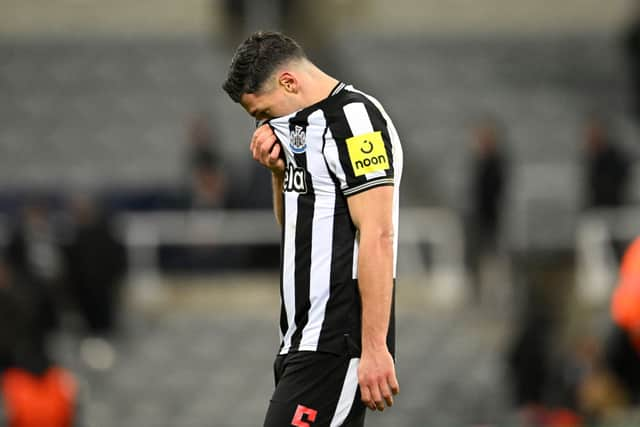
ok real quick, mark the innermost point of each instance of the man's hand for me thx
(266, 149)
(377, 379)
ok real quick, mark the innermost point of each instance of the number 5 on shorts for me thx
(301, 411)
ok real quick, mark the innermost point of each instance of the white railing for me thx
(597, 266)
(440, 229)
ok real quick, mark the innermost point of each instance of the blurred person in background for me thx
(335, 162)
(36, 256)
(34, 392)
(291, 16)
(488, 182)
(96, 266)
(607, 168)
(239, 14)
(528, 358)
(206, 181)
(25, 324)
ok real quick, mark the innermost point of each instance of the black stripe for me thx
(284, 324)
(343, 290)
(306, 206)
(340, 130)
(391, 334)
(344, 232)
(379, 123)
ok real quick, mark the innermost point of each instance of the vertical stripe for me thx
(356, 245)
(333, 160)
(284, 325)
(288, 266)
(358, 118)
(339, 131)
(342, 313)
(347, 394)
(321, 236)
(304, 231)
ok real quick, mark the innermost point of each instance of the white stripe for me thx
(347, 394)
(321, 235)
(356, 246)
(289, 266)
(358, 118)
(333, 159)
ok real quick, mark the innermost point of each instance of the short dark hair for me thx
(256, 59)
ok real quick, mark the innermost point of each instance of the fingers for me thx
(275, 152)
(262, 142)
(265, 148)
(386, 394)
(378, 395)
(365, 395)
(393, 384)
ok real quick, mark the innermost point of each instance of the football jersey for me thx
(338, 147)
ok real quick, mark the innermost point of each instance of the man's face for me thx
(270, 102)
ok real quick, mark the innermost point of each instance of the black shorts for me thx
(316, 390)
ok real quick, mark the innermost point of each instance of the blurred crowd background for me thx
(138, 275)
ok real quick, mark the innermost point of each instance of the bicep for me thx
(372, 209)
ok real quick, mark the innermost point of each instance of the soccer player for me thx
(336, 161)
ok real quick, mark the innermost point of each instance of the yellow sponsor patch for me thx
(367, 153)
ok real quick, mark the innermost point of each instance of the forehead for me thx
(250, 101)
(255, 103)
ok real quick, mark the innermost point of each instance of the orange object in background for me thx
(39, 401)
(625, 304)
(630, 265)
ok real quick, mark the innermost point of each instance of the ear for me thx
(288, 81)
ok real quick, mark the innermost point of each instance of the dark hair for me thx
(256, 59)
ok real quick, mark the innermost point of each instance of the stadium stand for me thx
(111, 115)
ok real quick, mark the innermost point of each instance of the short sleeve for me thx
(358, 148)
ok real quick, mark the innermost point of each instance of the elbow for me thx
(386, 235)
(383, 236)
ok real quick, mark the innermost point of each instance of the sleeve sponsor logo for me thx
(367, 153)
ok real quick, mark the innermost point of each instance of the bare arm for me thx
(266, 151)
(371, 212)
(277, 181)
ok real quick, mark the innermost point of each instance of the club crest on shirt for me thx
(297, 140)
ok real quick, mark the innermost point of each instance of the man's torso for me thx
(336, 148)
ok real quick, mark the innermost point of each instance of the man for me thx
(336, 161)
(607, 166)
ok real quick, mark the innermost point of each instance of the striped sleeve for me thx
(358, 148)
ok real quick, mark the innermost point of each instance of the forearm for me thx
(375, 281)
(276, 186)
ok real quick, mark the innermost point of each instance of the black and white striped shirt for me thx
(338, 147)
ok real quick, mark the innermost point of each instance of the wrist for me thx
(374, 344)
